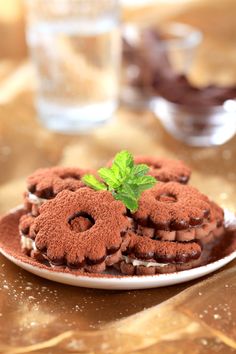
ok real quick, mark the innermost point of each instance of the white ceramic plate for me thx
(122, 283)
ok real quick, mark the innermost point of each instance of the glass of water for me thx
(76, 48)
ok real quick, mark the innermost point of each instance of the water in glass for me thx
(77, 65)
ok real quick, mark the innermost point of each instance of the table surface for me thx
(40, 316)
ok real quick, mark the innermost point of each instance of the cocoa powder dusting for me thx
(63, 244)
(172, 206)
(165, 170)
(10, 244)
(47, 182)
(163, 251)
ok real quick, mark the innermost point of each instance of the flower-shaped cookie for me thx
(48, 182)
(59, 238)
(165, 170)
(173, 206)
(161, 251)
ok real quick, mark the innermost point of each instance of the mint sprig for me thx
(125, 180)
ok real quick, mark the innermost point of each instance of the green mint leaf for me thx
(130, 202)
(124, 179)
(145, 182)
(123, 162)
(109, 177)
(133, 189)
(139, 170)
(116, 171)
(92, 182)
(128, 190)
(127, 194)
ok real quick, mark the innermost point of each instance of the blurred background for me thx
(215, 18)
(25, 144)
(182, 108)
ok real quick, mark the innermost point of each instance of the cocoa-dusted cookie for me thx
(82, 229)
(211, 226)
(165, 170)
(217, 214)
(174, 212)
(172, 206)
(46, 183)
(215, 228)
(172, 226)
(146, 256)
(25, 223)
(146, 253)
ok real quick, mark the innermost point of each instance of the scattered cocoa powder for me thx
(10, 244)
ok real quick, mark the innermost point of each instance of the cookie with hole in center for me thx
(82, 229)
(45, 183)
(174, 212)
(172, 206)
(173, 229)
(165, 170)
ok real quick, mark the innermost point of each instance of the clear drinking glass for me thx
(75, 47)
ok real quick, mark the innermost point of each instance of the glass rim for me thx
(81, 7)
(186, 35)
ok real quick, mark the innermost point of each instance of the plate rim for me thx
(121, 281)
(225, 260)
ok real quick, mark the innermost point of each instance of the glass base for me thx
(135, 98)
(75, 119)
(196, 126)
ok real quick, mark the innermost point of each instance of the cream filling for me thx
(27, 243)
(137, 262)
(34, 199)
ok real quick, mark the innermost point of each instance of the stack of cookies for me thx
(67, 224)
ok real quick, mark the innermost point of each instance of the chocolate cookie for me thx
(130, 266)
(25, 223)
(46, 183)
(212, 226)
(215, 228)
(145, 256)
(82, 229)
(172, 206)
(174, 212)
(172, 226)
(27, 244)
(165, 170)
